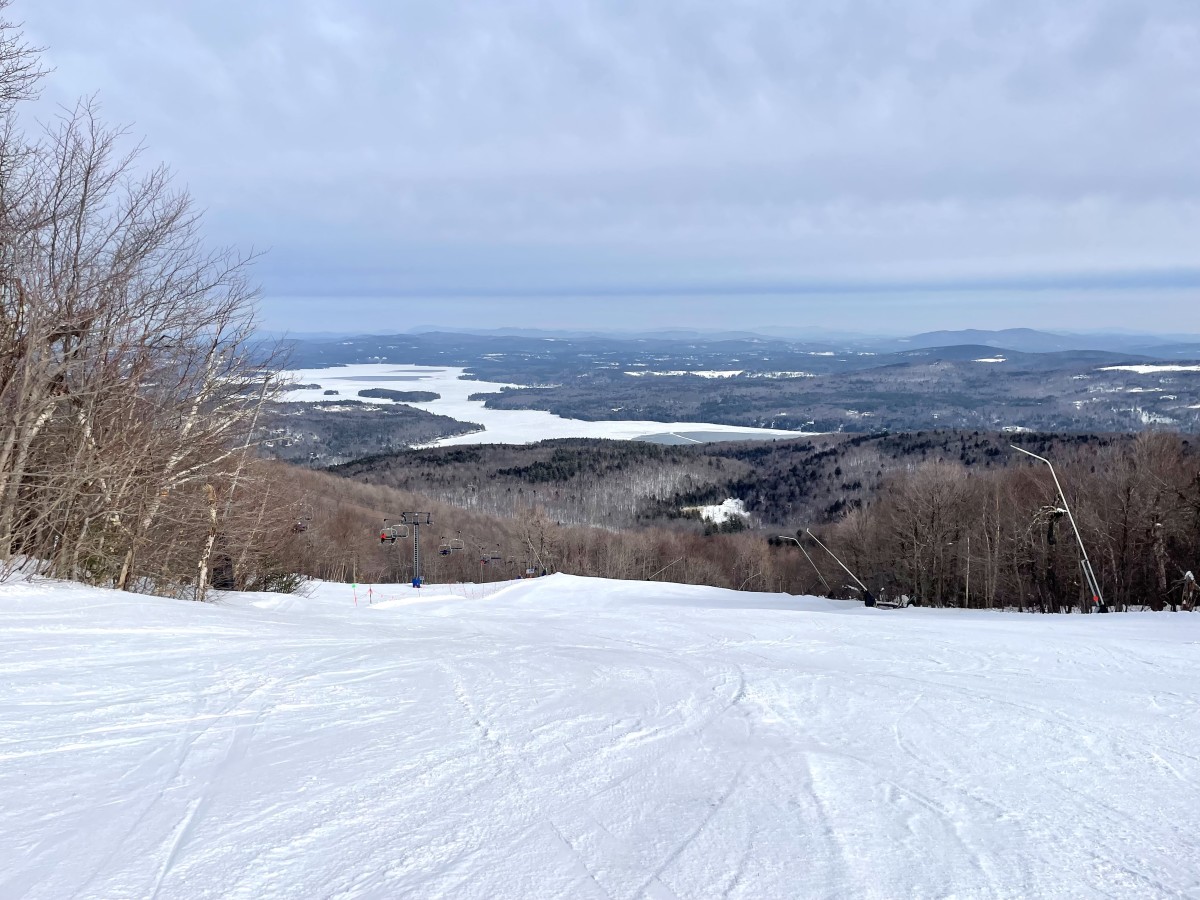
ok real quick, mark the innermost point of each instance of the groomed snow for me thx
(501, 426)
(578, 738)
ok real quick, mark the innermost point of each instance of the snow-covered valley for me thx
(569, 737)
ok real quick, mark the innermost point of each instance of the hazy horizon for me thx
(816, 334)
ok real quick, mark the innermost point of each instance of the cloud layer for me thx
(759, 147)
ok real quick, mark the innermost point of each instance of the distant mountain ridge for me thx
(1021, 340)
(1029, 340)
(1025, 340)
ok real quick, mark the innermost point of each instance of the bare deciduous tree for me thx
(129, 376)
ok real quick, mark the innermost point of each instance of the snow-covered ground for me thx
(722, 512)
(577, 738)
(699, 373)
(1151, 369)
(501, 426)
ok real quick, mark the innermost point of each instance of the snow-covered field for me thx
(722, 512)
(1151, 369)
(578, 738)
(501, 426)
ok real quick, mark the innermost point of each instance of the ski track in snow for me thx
(570, 737)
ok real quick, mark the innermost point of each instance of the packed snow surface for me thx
(580, 738)
(501, 426)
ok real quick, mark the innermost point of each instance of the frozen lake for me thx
(501, 426)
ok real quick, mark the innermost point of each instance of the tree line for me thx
(949, 535)
(946, 528)
(130, 378)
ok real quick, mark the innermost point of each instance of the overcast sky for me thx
(867, 164)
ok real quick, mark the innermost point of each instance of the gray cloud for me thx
(673, 148)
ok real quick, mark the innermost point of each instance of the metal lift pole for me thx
(868, 597)
(1085, 563)
(788, 537)
(416, 554)
(416, 520)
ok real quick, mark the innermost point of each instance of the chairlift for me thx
(451, 545)
(305, 516)
(389, 534)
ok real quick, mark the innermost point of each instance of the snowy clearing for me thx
(722, 512)
(580, 738)
(501, 426)
(1151, 369)
(700, 373)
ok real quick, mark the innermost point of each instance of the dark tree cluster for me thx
(329, 432)
(948, 534)
(399, 396)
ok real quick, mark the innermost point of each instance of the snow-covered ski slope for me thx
(580, 738)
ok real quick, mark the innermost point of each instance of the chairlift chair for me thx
(389, 534)
(451, 545)
(302, 520)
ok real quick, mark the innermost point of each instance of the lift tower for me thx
(409, 521)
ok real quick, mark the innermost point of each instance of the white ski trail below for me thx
(583, 738)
